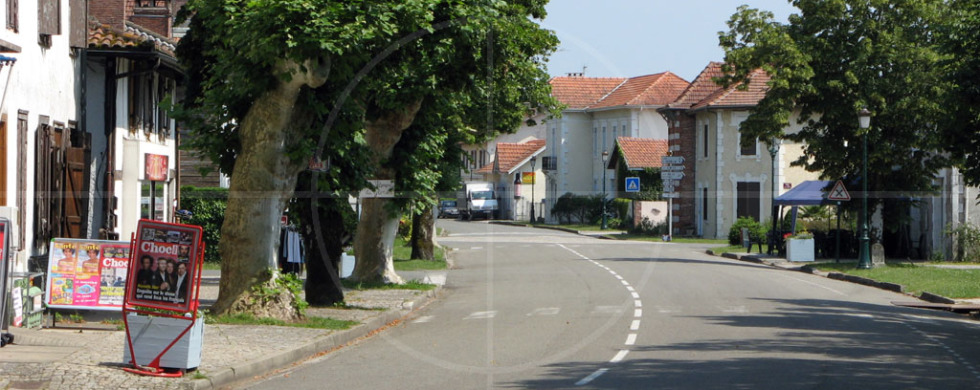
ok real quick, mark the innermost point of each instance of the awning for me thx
(807, 193)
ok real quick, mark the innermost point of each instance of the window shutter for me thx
(49, 17)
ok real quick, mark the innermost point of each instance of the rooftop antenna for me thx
(584, 67)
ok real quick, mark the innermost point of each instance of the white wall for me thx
(41, 82)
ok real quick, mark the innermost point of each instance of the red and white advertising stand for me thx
(5, 338)
(164, 333)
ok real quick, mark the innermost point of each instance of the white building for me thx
(600, 110)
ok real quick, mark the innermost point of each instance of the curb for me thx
(321, 345)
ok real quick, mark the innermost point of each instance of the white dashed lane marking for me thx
(634, 326)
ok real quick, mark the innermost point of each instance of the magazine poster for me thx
(3, 272)
(164, 265)
(87, 274)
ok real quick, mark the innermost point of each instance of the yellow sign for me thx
(527, 178)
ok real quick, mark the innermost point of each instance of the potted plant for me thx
(799, 247)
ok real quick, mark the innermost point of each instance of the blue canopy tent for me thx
(807, 193)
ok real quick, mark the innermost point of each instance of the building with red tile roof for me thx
(638, 153)
(725, 175)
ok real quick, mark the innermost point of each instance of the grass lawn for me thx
(950, 283)
(738, 248)
(409, 285)
(308, 322)
(403, 258)
(579, 226)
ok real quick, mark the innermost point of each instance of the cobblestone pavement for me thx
(78, 359)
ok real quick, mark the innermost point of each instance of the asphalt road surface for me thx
(542, 309)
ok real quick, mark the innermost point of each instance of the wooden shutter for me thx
(12, 12)
(77, 25)
(49, 17)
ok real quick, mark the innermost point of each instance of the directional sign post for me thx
(671, 175)
(669, 160)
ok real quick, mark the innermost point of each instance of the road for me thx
(536, 308)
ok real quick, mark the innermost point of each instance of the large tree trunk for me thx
(264, 178)
(378, 226)
(423, 235)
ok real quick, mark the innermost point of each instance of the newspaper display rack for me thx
(5, 338)
(164, 333)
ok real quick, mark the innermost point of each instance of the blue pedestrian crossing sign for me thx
(632, 184)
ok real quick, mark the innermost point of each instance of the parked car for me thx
(447, 209)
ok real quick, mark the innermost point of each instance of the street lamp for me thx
(773, 151)
(864, 259)
(605, 156)
(534, 179)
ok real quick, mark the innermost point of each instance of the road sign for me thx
(839, 192)
(672, 168)
(671, 195)
(632, 184)
(671, 175)
(668, 188)
(665, 160)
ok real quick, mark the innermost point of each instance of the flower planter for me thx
(799, 249)
(152, 334)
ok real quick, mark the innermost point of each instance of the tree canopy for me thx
(835, 58)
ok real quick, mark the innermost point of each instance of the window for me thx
(12, 15)
(157, 203)
(603, 138)
(595, 142)
(751, 149)
(704, 204)
(615, 134)
(705, 137)
(147, 91)
(151, 3)
(749, 195)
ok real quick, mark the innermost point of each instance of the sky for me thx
(628, 38)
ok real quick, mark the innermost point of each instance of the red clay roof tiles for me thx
(642, 152)
(579, 92)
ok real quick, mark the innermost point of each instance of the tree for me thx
(269, 77)
(487, 71)
(961, 42)
(830, 61)
(263, 76)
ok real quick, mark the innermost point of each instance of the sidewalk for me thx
(92, 357)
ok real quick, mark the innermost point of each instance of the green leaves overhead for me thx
(835, 57)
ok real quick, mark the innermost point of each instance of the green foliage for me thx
(583, 209)
(409, 285)
(307, 322)
(282, 282)
(951, 283)
(960, 41)
(967, 240)
(207, 206)
(651, 185)
(757, 231)
(835, 58)
(647, 227)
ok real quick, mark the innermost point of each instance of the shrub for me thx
(966, 239)
(207, 206)
(756, 231)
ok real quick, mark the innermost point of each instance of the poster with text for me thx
(164, 265)
(87, 274)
